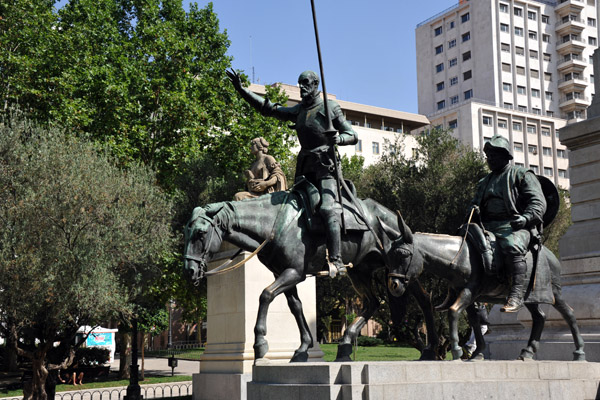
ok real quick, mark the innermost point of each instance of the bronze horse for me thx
(461, 266)
(291, 252)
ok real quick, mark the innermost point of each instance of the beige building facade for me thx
(519, 68)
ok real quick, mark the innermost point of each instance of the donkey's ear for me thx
(212, 209)
(389, 231)
(404, 230)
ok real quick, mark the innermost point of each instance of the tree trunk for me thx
(36, 388)
(125, 356)
(12, 339)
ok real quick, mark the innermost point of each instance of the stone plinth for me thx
(429, 380)
(233, 299)
(580, 259)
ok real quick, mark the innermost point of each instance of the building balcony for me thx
(572, 84)
(573, 103)
(566, 7)
(570, 46)
(572, 25)
(571, 63)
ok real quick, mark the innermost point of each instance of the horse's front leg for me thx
(418, 292)
(464, 299)
(306, 339)
(370, 303)
(475, 324)
(288, 279)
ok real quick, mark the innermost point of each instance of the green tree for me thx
(80, 239)
(561, 223)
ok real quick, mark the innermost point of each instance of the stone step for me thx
(426, 380)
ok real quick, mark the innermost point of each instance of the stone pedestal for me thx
(580, 259)
(233, 299)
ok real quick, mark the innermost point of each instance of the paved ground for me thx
(160, 366)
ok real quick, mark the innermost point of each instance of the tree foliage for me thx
(80, 239)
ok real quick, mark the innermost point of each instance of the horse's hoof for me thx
(578, 355)
(262, 361)
(261, 349)
(477, 357)
(526, 355)
(343, 353)
(428, 355)
(457, 354)
(300, 356)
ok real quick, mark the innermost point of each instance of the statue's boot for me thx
(334, 244)
(515, 298)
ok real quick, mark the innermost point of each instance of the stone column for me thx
(233, 299)
(579, 253)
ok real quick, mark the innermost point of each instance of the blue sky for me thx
(368, 47)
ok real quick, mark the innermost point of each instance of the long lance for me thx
(330, 129)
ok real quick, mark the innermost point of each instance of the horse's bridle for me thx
(201, 259)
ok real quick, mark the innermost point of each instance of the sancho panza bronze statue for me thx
(512, 206)
(316, 160)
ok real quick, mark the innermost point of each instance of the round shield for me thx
(552, 199)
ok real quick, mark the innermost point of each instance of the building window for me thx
(358, 146)
(504, 28)
(545, 131)
(468, 94)
(439, 67)
(440, 86)
(453, 124)
(502, 123)
(592, 22)
(518, 31)
(518, 147)
(441, 104)
(562, 173)
(561, 153)
(454, 100)
(531, 15)
(453, 80)
(535, 169)
(533, 54)
(520, 70)
(535, 93)
(452, 43)
(532, 148)
(466, 36)
(520, 89)
(545, 38)
(451, 26)
(505, 47)
(545, 19)
(533, 35)
(522, 108)
(487, 120)
(547, 151)
(548, 95)
(464, 18)
(439, 49)
(548, 76)
(467, 75)
(367, 124)
(550, 113)
(517, 126)
(507, 87)
(592, 41)
(466, 56)
(508, 106)
(536, 111)
(548, 171)
(531, 129)
(505, 67)
(438, 31)
(375, 147)
(452, 62)
(534, 73)
(518, 11)
(519, 51)
(503, 7)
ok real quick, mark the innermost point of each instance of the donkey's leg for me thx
(567, 312)
(465, 298)
(370, 303)
(473, 318)
(539, 318)
(430, 351)
(288, 279)
(306, 339)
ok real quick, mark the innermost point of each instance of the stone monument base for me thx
(426, 380)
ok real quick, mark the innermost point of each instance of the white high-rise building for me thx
(518, 68)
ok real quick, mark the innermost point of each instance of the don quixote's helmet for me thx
(498, 143)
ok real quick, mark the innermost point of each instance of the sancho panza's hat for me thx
(498, 142)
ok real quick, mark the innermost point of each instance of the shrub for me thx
(367, 341)
(91, 356)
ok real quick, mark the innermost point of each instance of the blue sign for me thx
(100, 339)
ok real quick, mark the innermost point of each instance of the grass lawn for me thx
(374, 353)
(105, 384)
(188, 354)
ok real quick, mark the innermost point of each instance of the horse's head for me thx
(202, 239)
(401, 260)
